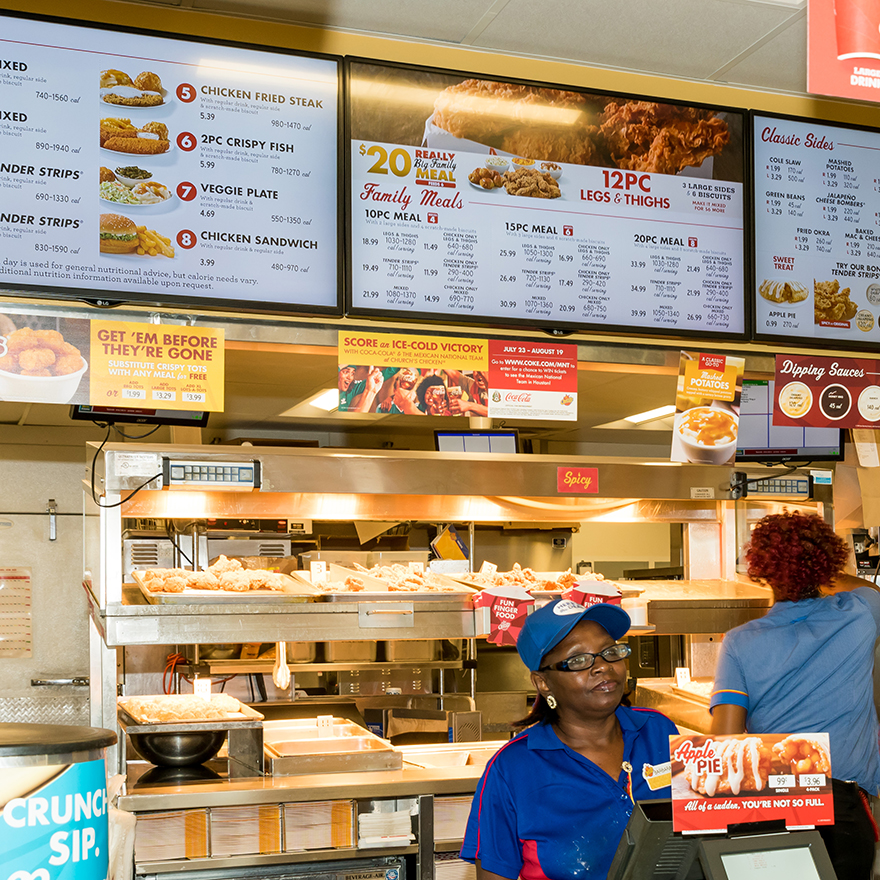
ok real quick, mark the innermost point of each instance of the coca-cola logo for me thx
(518, 397)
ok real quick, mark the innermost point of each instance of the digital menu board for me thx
(817, 232)
(517, 204)
(142, 168)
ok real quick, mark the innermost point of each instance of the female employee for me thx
(806, 667)
(554, 801)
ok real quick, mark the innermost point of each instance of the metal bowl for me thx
(178, 749)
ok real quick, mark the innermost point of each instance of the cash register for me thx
(651, 850)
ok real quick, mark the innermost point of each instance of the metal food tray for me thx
(627, 592)
(297, 590)
(133, 724)
(378, 589)
(295, 747)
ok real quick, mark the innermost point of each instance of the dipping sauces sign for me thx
(167, 170)
(822, 392)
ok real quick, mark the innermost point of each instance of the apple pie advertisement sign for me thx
(721, 781)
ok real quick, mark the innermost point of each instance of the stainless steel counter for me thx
(408, 782)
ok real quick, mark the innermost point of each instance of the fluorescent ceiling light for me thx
(651, 414)
(327, 400)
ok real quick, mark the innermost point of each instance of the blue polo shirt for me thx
(806, 668)
(542, 810)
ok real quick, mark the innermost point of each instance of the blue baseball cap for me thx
(545, 628)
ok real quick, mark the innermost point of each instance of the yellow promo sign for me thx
(715, 377)
(425, 352)
(156, 366)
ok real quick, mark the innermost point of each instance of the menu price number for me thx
(288, 172)
(54, 96)
(369, 267)
(507, 279)
(285, 267)
(693, 269)
(691, 291)
(811, 779)
(565, 258)
(164, 395)
(206, 261)
(507, 303)
(206, 212)
(800, 246)
(431, 298)
(566, 308)
(637, 288)
(637, 264)
(429, 246)
(431, 272)
(638, 313)
(206, 163)
(566, 282)
(370, 294)
(829, 179)
(134, 394)
(193, 397)
(696, 318)
(284, 218)
(398, 161)
(206, 116)
(506, 253)
(372, 242)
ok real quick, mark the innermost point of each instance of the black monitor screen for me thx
(115, 414)
(476, 441)
(760, 440)
(799, 855)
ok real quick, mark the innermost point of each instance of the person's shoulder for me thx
(649, 719)
(866, 595)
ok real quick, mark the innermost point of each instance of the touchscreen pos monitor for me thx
(651, 850)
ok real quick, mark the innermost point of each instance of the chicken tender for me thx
(202, 580)
(158, 128)
(9, 363)
(111, 77)
(223, 564)
(36, 359)
(235, 581)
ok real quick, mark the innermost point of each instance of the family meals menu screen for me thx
(136, 167)
(516, 203)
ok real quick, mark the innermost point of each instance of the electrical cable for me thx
(134, 436)
(94, 467)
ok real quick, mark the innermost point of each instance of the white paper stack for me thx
(447, 866)
(450, 817)
(318, 825)
(178, 834)
(385, 829)
(245, 830)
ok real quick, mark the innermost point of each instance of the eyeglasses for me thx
(580, 662)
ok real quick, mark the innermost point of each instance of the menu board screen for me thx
(519, 204)
(817, 232)
(137, 167)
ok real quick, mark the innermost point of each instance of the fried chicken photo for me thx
(147, 81)
(660, 138)
(110, 78)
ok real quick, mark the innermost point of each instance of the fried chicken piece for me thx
(202, 580)
(19, 340)
(9, 363)
(235, 581)
(485, 111)
(531, 183)
(136, 101)
(830, 303)
(223, 564)
(660, 138)
(51, 339)
(105, 175)
(68, 363)
(137, 146)
(42, 373)
(111, 77)
(32, 359)
(147, 81)
(173, 584)
(577, 147)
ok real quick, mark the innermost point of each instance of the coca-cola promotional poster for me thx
(401, 374)
(721, 781)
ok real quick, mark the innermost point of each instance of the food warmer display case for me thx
(160, 483)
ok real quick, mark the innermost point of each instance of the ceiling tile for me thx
(675, 38)
(411, 18)
(780, 63)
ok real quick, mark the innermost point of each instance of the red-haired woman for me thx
(806, 667)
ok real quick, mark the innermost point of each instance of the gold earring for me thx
(551, 701)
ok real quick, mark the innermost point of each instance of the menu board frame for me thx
(853, 344)
(168, 299)
(554, 326)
